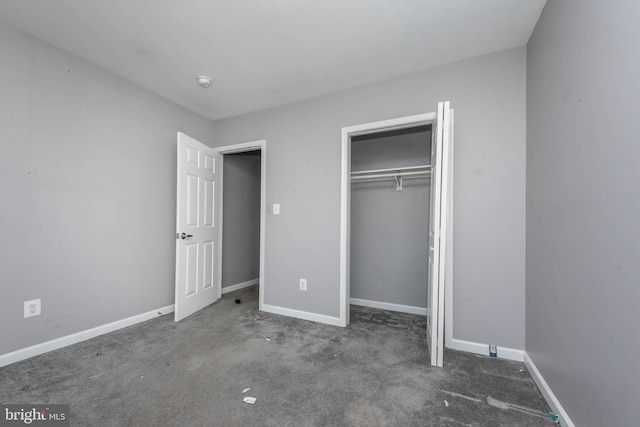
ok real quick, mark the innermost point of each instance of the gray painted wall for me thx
(241, 215)
(303, 175)
(389, 228)
(88, 185)
(583, 238)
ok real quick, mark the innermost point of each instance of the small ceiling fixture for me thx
(204, 81)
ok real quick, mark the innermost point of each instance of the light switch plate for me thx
(276, 208)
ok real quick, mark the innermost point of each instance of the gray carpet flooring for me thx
(192, 373)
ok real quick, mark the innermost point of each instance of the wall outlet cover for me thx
(32, 308)
(303, 284)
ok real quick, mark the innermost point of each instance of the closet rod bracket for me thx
(398, 183)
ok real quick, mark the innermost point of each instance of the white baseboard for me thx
(479, 348)
(546, 391)
(35, 350)
(390, 306)
(304, 315)
(238, 286)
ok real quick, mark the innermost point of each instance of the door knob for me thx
(185, 235)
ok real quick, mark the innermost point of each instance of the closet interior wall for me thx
(390, 228)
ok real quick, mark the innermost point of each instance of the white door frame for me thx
(260, 145)
(345, 213)
(448, 277)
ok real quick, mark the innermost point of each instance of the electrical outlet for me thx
(303, 284)
(32, 308)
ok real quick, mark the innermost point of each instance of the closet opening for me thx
(390, 182)
(395, 220)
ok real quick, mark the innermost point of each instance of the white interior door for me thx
(197, 227)
(440, 170)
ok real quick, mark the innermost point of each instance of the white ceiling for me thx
(263, 53)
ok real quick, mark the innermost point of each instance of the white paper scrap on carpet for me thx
(248, 399)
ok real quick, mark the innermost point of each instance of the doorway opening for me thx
(243, 217)
(390, 219)
(438, 259)
(241, 187)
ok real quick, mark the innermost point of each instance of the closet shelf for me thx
(395, 174)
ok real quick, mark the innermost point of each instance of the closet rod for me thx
(417, 174)
(409, 168)
(389, 178)
(398, 177)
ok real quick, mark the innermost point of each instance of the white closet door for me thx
(437, 231)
